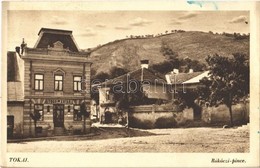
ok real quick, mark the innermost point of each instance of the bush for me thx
(164, 122)
(77, 132)
(137, 123)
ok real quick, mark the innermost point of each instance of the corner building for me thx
(56, 82)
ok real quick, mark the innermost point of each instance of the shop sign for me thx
(59, 101)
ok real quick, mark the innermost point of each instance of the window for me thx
(48, 108)
(69, 108)
(58, 82)
(38, 82)
(76, 114)
(107, 95)
(77, 83)
(38, 108)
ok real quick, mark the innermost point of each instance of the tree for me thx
(167, 51)
(229, 80)
(163, 67)
(192, 64)
(36, 117)
(173, 61)
(101, 76)
(117, 71)
(97, 79)
(85, 114)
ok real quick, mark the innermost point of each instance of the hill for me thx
(194, 45)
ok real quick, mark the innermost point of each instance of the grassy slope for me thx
(195, 45)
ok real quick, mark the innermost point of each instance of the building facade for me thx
(56, 83)
(142, 86)
(15, 95)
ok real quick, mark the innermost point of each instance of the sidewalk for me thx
(70, 137)
(63, 138)
(99, 125)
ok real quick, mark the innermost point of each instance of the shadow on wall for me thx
(174, 121)
(158, 116)
(111, 133)
(220, 115)
(148, 117)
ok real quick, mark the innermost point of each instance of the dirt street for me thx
(155, 140)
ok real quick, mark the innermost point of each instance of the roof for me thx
(180, 78)
(14, 79)
(54, 31)
(12, 67)
(148, 75)
(47, 37)
(14, 91)
(197, 79)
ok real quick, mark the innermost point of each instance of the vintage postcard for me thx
(130, 84)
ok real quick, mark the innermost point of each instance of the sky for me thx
(92, 28)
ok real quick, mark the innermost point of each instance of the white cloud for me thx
(239, 19)
(176, 22)
(58, 20)
(183, 18)
(188, 16)
(100, 25)
(88, 32)
(122, 28)
(139, 22)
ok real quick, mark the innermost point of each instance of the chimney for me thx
(23, 45)
(168, 80)
(175, 71)
(190, 70)
(17, 49)
(145, 64)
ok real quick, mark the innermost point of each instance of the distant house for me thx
(185, 86)
(142, 86)
(156, 101)
(182, 81)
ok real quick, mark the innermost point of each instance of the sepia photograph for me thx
(129, 81)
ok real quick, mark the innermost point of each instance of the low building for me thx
(143, 85)
(181, 82)
(55, 82)
(185, 86)
(15, 96)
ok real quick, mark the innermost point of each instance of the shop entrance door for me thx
(10, 126)
(58, 115)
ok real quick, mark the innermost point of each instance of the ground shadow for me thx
(111, 133)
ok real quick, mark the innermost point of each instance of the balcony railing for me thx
(50, 51)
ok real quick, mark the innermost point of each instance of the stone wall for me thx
(16, 110)
(165, 116)
(220, 114)
(158, 116)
